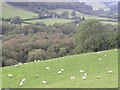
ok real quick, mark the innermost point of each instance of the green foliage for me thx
(92, 35)
(37, 54)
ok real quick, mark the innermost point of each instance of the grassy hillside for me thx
(9, 11)
(80, 14)
(50, 21)
(97, 5)
(71, 64)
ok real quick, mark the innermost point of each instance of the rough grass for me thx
(9, 11)
(72, 64)
(50, 21)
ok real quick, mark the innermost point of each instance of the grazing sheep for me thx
(115, 49)
(47, 68)
(37, 76)
(105, 55)
(20, 64)
(21, 82)
(44, 82)
(98, 52)
(110, 72)
(35, 60)
(38, 60)
(16, 65)
(85, 74)
(59, 72)
(82, 71)
(62, 70)
(100, 58)
(72, 78)
(98, 77)
(84, 77)
(10, 75)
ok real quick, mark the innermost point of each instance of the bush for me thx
(37, 54)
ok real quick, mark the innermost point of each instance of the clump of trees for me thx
(31, 42)
(93, 36)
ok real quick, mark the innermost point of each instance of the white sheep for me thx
(98, 77)
(110, 72)
(21, 82)
(38, 60)
(59, 72)
(84, 77)
(35, 60)
(44, 82)
(10, 75)
(47, 68)
(16, 65)
(98, 52)
(82, 71)
(72, 78)
(20, 64)
(115, 49)
(37, 76)
(100, 58)
(85, 74)
(62, 70)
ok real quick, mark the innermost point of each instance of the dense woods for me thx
(31, 42)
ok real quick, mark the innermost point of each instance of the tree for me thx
(91, 37)
(16, 20)
(37, 54)
(74, 14)
(65, 15)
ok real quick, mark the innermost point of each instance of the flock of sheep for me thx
(84, 76)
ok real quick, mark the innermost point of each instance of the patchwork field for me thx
(89, 62)
(50, 21)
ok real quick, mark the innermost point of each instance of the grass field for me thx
(9, 11)
(71, 64)
(50, 21)
(97, 5)
(79, 14)
(112, 23)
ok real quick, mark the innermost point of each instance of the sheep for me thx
(82, 71)
(37, 76)
(38, 60)
(16, 65)
(100, 58)
(85, 74)
(110, 72)
(35, 60)
(105, 55)
(62, 70)
(44, 82)
(47, 68)
(72, 78)
(98, 52)
(21, 82)
(115, 49)
(98, 77)
(59, 72)
(10, 75)
(84, 77)
(20, 64)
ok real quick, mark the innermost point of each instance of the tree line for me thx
(30, 42)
